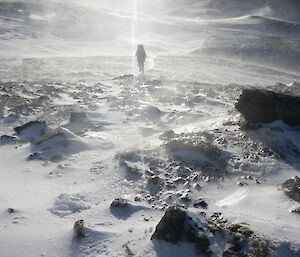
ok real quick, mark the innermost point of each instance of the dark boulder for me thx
(179, 225)
(259, 105)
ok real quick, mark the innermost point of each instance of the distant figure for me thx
(141, 57)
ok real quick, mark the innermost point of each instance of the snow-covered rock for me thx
(178, 225)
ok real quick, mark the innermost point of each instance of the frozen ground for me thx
(171, 136)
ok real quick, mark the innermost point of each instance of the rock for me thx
(119, 203)
(11, 210)
(137, 198)
(78, 228)
(259, 105)
(201, 204)
(34, 156)
(179, 225)
(31, 130)
(291, 188)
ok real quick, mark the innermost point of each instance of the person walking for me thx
(141, 57)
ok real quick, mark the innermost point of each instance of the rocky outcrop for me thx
(291, 188)
(178, 225)
(259, 105)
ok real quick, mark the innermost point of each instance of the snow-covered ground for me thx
(108, 130)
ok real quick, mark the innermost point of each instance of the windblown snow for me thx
(81, 128)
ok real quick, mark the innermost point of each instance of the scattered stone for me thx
(291, 188)
(119, 203)
(216, 215)
(242, 183)
(179, 225)
(259, 105)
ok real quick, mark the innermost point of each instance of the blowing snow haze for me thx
(265, 32)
